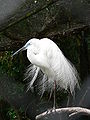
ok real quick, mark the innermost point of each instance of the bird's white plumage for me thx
(46, 56)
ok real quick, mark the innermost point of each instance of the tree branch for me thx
(73, 30)
(71, 110)
(15, 42)
(16, 19)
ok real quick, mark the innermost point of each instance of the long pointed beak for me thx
(21, 49)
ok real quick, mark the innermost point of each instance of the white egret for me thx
(46, 56)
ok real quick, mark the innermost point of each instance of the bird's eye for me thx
(29, 44)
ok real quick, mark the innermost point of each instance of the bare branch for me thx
(15, 42)
(71, 110)
(73, 30)
(17, 18)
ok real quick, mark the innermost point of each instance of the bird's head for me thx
(31, 42)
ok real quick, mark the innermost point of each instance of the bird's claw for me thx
(51, 110)
(54, 109)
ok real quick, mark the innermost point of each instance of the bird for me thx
(58, 72)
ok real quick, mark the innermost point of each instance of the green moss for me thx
(12, 66)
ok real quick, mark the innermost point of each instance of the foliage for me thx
(12, 66)
(10, 113)
(13, 114)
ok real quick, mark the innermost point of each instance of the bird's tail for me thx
(75, 79)
(71, 77)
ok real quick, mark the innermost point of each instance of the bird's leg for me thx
(54, 106)
(68, 100)
(50, 95)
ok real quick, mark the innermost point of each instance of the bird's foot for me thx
(54, 109)
(51, 110)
